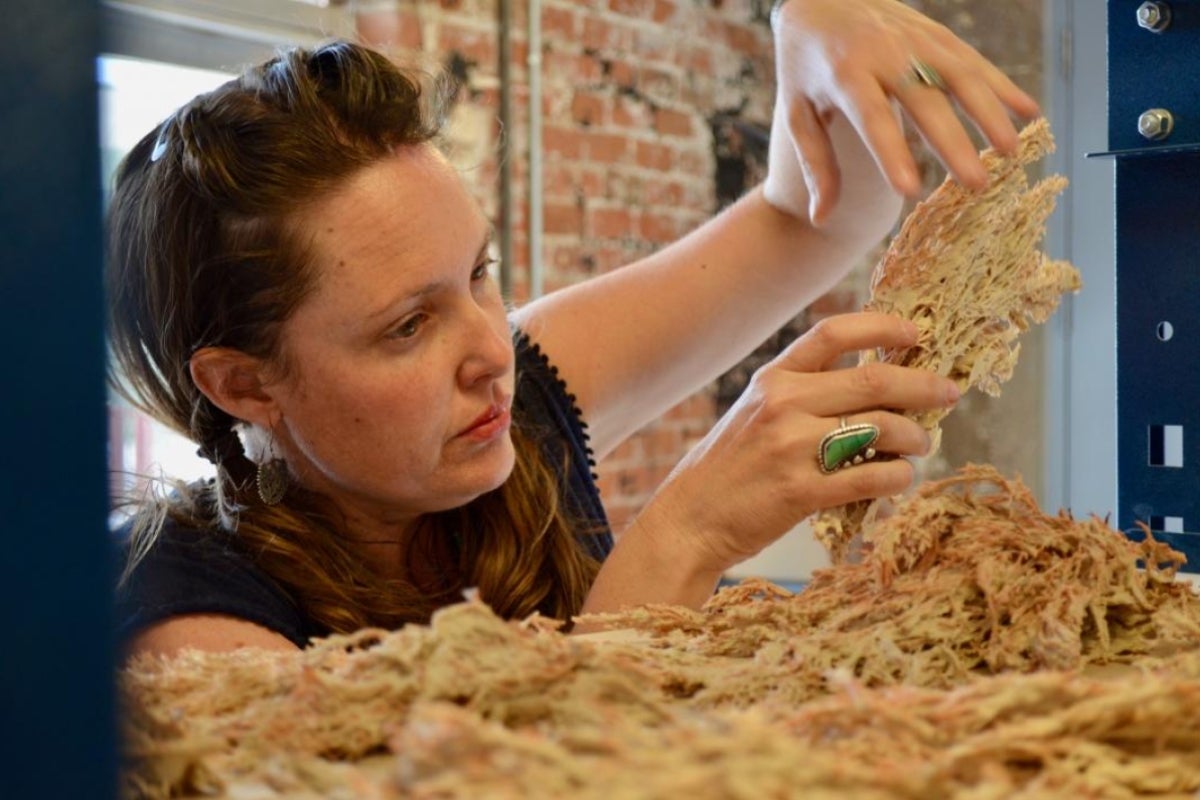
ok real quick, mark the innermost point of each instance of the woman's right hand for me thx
(855, 62)
(756, 474)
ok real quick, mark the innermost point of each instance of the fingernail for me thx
(811, 188)
(910, 182)
(911, 330)
(814, 204)
(952, 393)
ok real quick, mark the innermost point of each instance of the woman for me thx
(299, 282)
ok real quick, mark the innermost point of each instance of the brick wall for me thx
(654, 116)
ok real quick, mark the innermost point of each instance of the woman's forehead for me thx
(412, 207)
(402, 224)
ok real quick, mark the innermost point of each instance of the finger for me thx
(872, 386)
(987, 95)
(1011, 95)
(824, 343)
(817, 160)
(963, 59)
(933, 115)
(898, 435)
(987, 112)
(870, 111)
(866, 481)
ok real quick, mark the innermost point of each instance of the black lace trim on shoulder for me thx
(521, 339)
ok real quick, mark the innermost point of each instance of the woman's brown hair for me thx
(201, 254)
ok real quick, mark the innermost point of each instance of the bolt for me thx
(1155, 124)
(1154, 16)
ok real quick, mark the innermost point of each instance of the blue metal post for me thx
(56, 656)
(1154, 134)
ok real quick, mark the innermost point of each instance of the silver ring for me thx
(920, 72)
(847, 446)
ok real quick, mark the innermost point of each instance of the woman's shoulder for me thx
(193, 569)
(546, 409)
(544, 403)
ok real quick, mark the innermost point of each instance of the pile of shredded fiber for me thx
(982, 649)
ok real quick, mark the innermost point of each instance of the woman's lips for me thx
(489, 424)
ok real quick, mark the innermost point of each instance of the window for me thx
(135, 95)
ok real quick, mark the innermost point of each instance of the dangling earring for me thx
(272, 476)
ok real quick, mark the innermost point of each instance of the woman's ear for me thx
(234, 382)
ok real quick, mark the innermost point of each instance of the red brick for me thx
(606, 148)
(607, 484)
(559, 22)
(564, 142)
(698, 405)
(638, 482)
(632, 8)
(655, 156)
(476, 46)
(598, 34)
(659, 228)
(663, 193)
(608, 37)
(669, 122)
(746, 39)
(591, 182)
(390, 28)
(519, 56)
(696, 60)
(573, 68)
(520, 251)
(662, 441)
(664, 11)
(566, 257)
(622, 74)
(559, 179)
(562, 218)
(610, 257)
(628, 452)
(610, 223)
(587, 108)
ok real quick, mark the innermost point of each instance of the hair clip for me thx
(161, 143)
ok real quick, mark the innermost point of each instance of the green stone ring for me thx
(846, 446)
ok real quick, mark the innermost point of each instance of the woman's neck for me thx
(382, 541)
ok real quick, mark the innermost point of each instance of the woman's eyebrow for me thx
(433, 286)
(489, 236)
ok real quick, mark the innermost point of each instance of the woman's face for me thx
(396, 398)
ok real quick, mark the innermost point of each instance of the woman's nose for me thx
(488, 347)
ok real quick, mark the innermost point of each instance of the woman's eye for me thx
(408, 328)
(481, 270)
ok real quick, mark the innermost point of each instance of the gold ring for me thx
(920, 72)
(847, 446)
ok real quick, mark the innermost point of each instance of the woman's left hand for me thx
(860, 59)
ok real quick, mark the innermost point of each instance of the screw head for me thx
(1156, 124)
(1154, 16)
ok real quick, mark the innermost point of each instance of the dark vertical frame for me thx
(56, 656)
(1157, 268)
